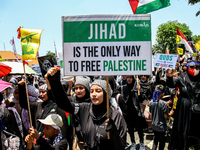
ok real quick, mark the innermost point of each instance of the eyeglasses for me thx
(192, 67)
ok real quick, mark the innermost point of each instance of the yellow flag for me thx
(30, 42)
(194, 55)
(178, 39)
(180, 51)
(197, 46)
(1, 59)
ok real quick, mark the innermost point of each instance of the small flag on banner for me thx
(30, 42)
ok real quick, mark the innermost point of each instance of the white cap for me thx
(53, 120)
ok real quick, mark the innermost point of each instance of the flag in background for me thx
(180, 51)
(1, 59)
(197, 46)
(55, 49)
(12, 42)
(46, 62)
(30, 42)
(56, 54)
(146, 6)
(180, 39)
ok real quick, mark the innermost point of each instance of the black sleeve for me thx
(61, 145)
(22, 96)
(59, 94)
(50, 95)
(158, 77)
(118, 134)
(173, 82)
(122, 105)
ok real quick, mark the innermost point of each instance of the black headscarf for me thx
(130, 86)
(85, 98)
(98, 114)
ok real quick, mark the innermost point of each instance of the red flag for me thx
(180, 39)
(134, 4)
(19, 33)
(25, 62)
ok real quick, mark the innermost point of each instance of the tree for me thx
(195, 38)
(155, 49)
(192, 2)
(166, 36)
(53, 56)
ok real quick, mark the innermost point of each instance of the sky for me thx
(46, 15)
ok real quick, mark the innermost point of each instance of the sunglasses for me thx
(192, 67)
(142, 76)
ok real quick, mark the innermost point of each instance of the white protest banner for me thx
(107, 45)
(165, 60)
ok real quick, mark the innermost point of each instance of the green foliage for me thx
(166, 36)
(53, 55)
(195, 38)
(192, 2)
(155, 49)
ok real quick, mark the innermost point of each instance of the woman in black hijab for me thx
(135, 116)
(40, 110)
(186, 123)
(93, 120)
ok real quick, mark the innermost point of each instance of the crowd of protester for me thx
(165, 103)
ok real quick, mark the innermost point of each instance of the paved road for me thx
(148, 141)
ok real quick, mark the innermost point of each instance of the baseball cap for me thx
(53, 120)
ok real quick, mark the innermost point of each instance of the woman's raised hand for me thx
(52, 71)
(21, 82)
(170, 72)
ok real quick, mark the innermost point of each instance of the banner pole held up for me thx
(137, 84)
(107, 81)
(29, 110)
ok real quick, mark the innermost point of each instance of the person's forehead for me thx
(41, 90)
(95, 86)
(79, 85)
(47, 126)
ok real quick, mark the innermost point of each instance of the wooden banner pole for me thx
(29, 110)
(107, 81)
(137, 84)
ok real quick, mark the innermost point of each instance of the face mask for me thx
(193, 72)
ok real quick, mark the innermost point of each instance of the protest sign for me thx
(107, 45)
(37, 69)
(165, 60)
(46, 62)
